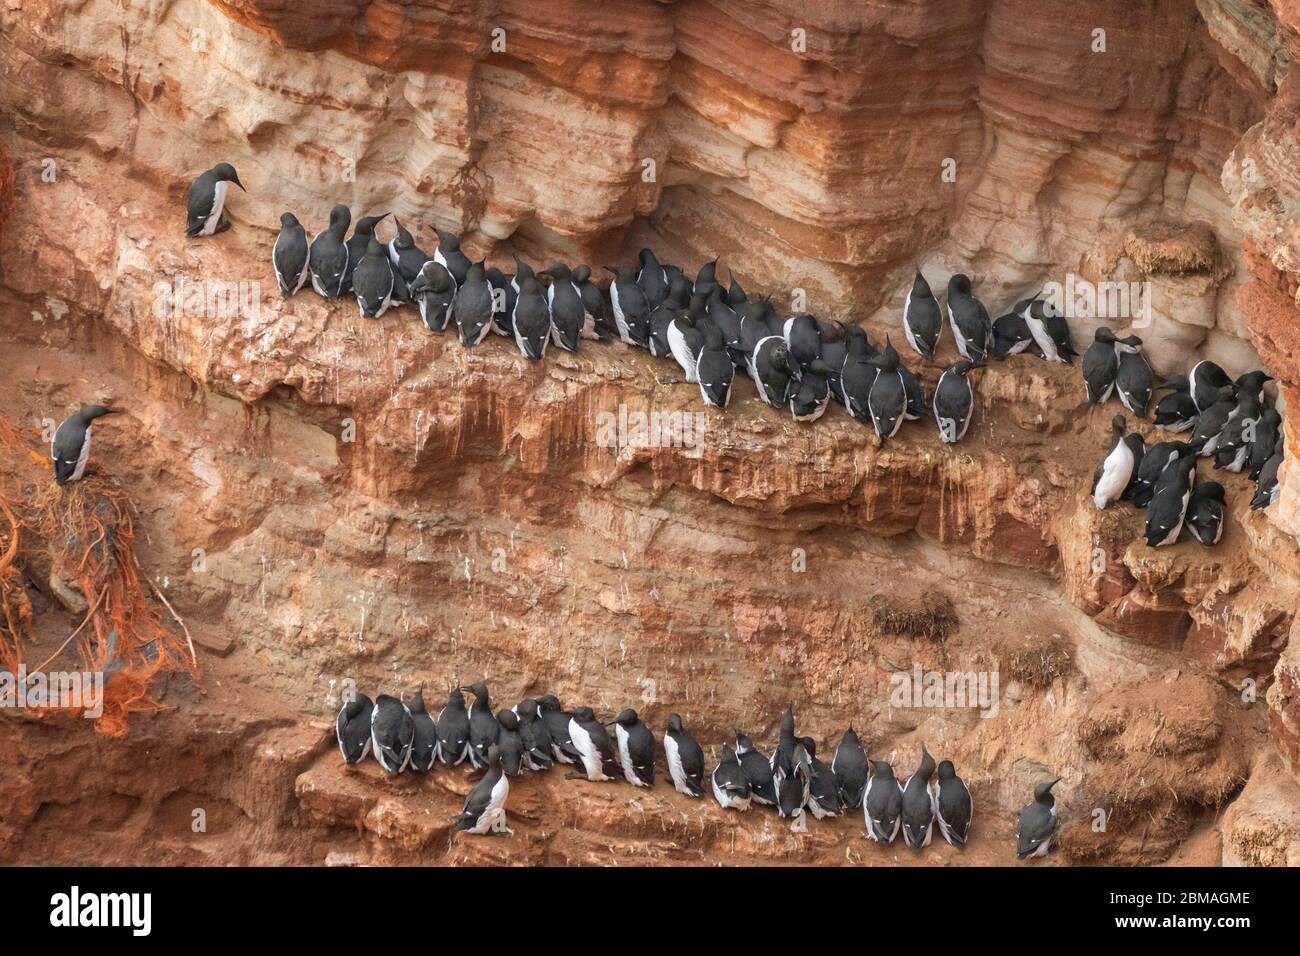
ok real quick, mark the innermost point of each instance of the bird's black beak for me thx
(238, 183)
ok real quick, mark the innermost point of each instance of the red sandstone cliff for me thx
(474, 527)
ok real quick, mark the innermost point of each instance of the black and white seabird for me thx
(954, 401)
(353, 728)
(858, 374)
(663, 315)
(206, 200)
(1011, 334)
(652, 279)
(569, 320)
(503, 302)
(728, 323)
(593, 301)
(1203, 383)
(922, 320)
(392, 731)
(453, 729)
(714, 368)
(1266, 434)
(534, 735)
(359, 245)
(289, 255)
(1037, 831)
(327, 260)
(953, 807)
(485, 807)
(483, 727)
(407, 258)
(758, 771)
(887, 401)
(706, 280)
(794, 789)
(636, 748)
(851, 768)
(449, 256)
(730, 786)
(753, 329)
(372, 281)
(786, 743)
(557, 725)
(812, 394)
(1252, 383)
(509, 743)
(1050, 331)
(1100, 364)
(1267, 489)
(627, 302)
(772, 370)
(1237, 438)
(424, 742)
(1205, 513)
(802, 340)
(1113, 475)
(1211, 422)
(1242, 431)
(835, 349)
(434, 290)
(1176, 412)
(823, 791)
(684, 757)
(1133, 377)
(883, 803)
(531, 320)
(472, 307)
(916, 407)
(918, 805)
(593, 745)
(70, 447)
(686, 339)
(521, 272)
(1168, 505)
(969, 319)
(1154, 461)
(1137, 448)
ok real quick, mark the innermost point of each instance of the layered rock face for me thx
(334, 498)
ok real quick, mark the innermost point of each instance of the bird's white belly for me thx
(218, 203)
(83, 457)
(1115, 475)
(496, 803)
(1043, 340)
(625, 758)
(726, 801)
(675, 769)
(677, 345)
(591, 761)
